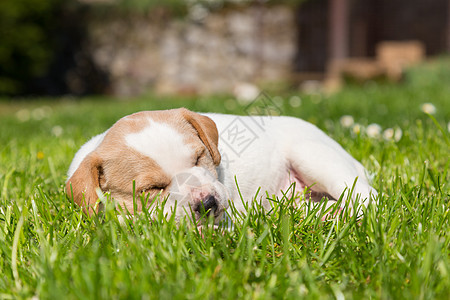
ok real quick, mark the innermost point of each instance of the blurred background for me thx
(130, 47)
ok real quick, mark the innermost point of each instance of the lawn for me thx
(49, 249)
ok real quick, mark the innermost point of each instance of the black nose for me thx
(208, 205)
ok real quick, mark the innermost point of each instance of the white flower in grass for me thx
(346, 121)
(392, 134)
(295, 101)
(398, 134)
(246, 92)
(356, 128)
(41, 113)
(278, 101)
(448, 126)
(388, 134)
(428, 108)
(57, 130)
(23, 115)
(373, 130)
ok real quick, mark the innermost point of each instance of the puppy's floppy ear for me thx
(207, 131)
(85, 180)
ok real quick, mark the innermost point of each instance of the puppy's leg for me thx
(327, 168)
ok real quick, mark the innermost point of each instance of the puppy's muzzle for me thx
(208, 206)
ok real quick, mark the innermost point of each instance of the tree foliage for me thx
(26, 28)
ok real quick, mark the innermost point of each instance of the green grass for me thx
(50, 249)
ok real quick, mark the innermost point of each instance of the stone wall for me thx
(224, 49)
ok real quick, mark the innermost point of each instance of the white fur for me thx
(87, 148)
(277, 142)
(172, 154)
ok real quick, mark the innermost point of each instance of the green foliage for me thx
(400, 250)
(26, 46)
(182, 7)
(175, 7)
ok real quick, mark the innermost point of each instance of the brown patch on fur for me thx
(81, 187)
(121, 168)
(207, 132)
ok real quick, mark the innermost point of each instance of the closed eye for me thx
(199, 156)
(153, 188)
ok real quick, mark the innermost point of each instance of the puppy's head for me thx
(172, 153)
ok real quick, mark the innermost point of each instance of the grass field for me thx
(50, 250)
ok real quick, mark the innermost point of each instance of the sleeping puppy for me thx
(197, 162)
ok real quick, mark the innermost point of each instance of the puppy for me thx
(199, 162)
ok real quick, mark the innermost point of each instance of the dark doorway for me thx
(312, 22)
